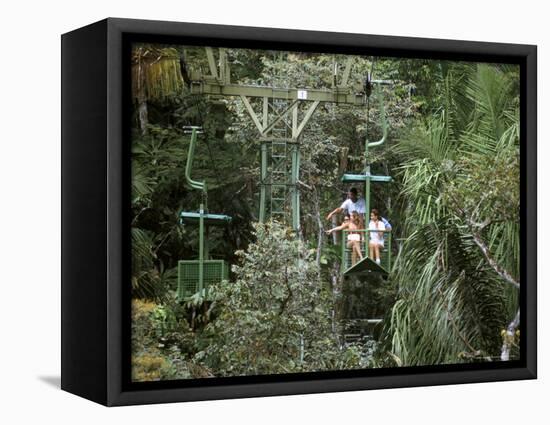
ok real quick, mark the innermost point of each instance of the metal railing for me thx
(385, 251)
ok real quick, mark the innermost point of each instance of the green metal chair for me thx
(367, 265)
(195, 276)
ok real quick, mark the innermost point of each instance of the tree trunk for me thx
(508, 338)
(143, 116)
(336, 314)
(142, 99)
(335, 234)
(320, 228)
(343, 160)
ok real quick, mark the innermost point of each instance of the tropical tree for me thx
(453, 152)
(457, 273)
(275, 317)
(156, 75)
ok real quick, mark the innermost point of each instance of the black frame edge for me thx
(401, 46)
(83, 212)
(529, 137)
(315, 386)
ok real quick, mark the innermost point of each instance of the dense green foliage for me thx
(275, 316)
(453, 153)
(460, 184)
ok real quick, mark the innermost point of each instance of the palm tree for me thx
(156, 74)
(457, 273)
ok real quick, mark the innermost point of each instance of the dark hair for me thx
(375, 212)
(353, 190)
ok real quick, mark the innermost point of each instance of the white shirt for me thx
(351, 206)
(375, 236)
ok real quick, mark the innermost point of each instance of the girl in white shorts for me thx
(354, 238)
(376, 235)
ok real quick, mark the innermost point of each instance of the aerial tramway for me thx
(283, 114)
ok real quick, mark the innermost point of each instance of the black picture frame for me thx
(95, 203)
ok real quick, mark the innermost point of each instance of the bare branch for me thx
(508, 338)
(476, 228)
(492, 262)
(301, 183)
(479, 226)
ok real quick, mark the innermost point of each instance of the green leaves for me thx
(489, 90)
(460, 175)
(155, 72)
(453, 151)
(275, 317)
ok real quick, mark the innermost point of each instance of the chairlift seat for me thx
(187, 217)
(358, 178)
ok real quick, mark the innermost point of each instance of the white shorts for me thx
(378, 242)
(354, 237)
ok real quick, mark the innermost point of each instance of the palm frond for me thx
(155, 72)
(451, 304)
(489, 91)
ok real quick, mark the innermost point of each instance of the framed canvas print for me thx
(252, 212)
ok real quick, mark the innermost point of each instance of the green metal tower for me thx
(280, 115)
